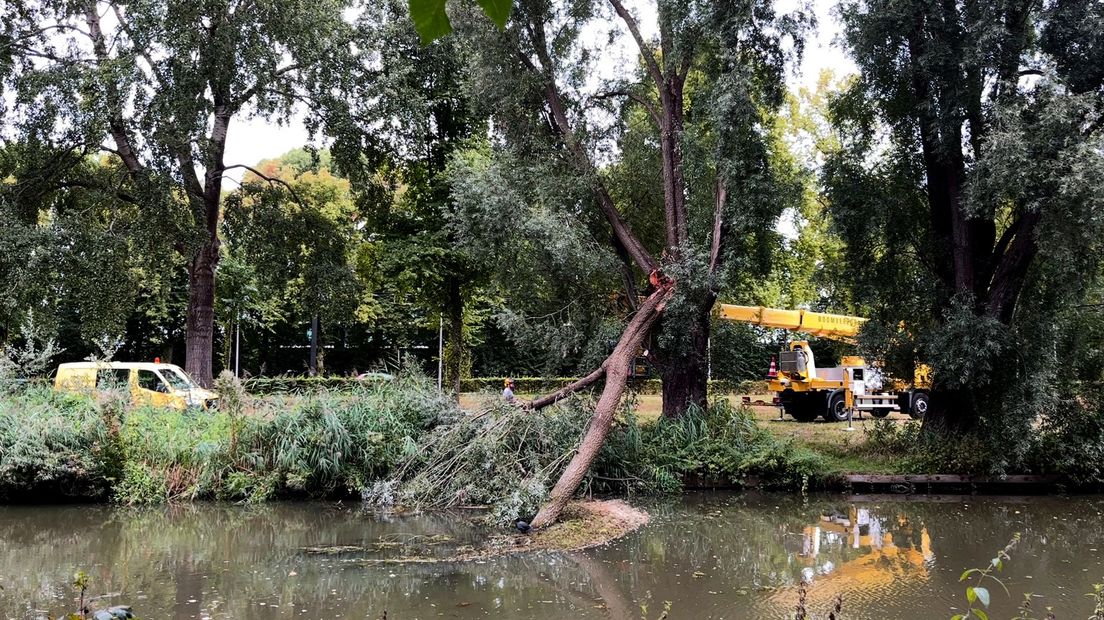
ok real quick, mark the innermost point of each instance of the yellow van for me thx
(156, 384)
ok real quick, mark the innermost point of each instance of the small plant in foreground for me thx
(118, 612)
(978, 593)
(1097, 596)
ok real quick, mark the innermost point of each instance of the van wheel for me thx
(837, 408)
(919, 406)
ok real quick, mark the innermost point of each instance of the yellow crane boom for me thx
(836, 326)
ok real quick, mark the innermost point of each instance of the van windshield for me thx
(177, 379)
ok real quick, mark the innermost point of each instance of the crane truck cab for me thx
(806, 391)
(148, 383)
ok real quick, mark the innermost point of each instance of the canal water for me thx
(709, 555)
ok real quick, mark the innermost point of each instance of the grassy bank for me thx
(403, 444)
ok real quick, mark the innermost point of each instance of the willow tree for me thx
(968, 185)
(705, 87)
(159, 85)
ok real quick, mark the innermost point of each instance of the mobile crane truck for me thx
(806, 392)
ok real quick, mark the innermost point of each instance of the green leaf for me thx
(966, 573)
(982, 595)
(980, 614)
(970, 594)
(430, 19)
(497, 10)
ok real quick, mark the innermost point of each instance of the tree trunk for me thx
(617, 369)
(684, 367)
(951, 412)
(200, 323)
(454, 350)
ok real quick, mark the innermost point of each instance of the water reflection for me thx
(711, 555)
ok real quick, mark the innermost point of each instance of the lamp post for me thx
(440, 352)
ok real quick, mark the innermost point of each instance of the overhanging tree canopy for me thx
(159, 85)
(971, 148)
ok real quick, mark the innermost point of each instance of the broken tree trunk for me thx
(617, 369)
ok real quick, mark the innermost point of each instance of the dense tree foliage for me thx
(555, 212)
(158, 85)
(967, 185)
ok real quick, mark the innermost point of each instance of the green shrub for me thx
(187, 452)
(54, 444)
(262, 386)
(140, 484)
(317, 444)
(544, 385)
(721, 445)
(922, 452)
(1070, 441)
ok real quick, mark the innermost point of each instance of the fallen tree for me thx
(616, 370)
(714, 191)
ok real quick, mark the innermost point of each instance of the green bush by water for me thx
(721, 445)
(321, 444)
(57, 444)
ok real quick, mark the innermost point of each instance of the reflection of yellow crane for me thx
(806, 391)
(882, 562)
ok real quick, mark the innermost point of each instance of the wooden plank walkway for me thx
(953, 483)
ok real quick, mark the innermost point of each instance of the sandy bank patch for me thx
(583, 524)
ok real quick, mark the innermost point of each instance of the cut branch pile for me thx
(504, 457)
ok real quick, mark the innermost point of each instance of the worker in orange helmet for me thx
(508, 391)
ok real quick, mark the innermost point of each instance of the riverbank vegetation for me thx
(400, 443)
(403, 445)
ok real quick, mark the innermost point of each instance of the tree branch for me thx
(562, 126)
(720, 228)
(143, 53)
(1011, 271)
(272, 180)
(553, 398)
(188, 173)
(617, 369)
(649, 57)
(635, 97)
(121, 195)
(241, 99)
(114, 114)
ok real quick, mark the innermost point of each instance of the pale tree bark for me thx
(617, 369)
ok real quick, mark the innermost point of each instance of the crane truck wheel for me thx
(799, 407)
(919, 405)
(837, 407)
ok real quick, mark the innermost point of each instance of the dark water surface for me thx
(710, 555)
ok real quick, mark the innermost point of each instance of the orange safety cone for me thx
(773, 372)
